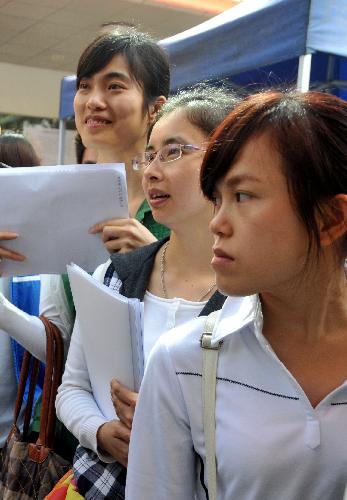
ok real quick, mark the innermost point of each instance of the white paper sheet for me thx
(111, 334)
(52, 208)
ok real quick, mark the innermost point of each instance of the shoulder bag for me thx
(30, 470)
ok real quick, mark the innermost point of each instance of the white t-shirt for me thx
(271, 444)
(161, 315)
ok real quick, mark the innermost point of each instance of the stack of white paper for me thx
(52, 209)
(111, 329)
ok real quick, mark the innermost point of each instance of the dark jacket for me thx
(134, 270)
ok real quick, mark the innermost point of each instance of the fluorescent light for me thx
(202, 6)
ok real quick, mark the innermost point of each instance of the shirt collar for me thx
(236, 313)
(143, 209)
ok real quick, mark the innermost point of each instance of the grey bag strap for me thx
(209, 376)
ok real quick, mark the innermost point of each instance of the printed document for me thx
(52, 209)
(111, 329)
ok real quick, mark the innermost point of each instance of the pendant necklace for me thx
(162, 275)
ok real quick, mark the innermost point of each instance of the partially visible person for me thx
(123, 79)
(17, 151)
(19, 299)
(84, 155)
(172, 277)
(276, 171)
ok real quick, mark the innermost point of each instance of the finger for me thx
(119, 450)
(121, 245)
(97, 228)
(112, 246)
(113, 437)
(120, 431)
(8, 235)
(111, 233)
(11, 254)
(123, 393)
(125, 413)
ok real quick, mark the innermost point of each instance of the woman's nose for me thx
(95, 101)
(154, 170)
(221, 223)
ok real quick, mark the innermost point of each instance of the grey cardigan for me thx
(134, 270)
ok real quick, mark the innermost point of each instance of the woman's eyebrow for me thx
(170, 140)
(238, 179)
(116, 74)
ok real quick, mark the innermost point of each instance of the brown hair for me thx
(310, 132)
(16, 151)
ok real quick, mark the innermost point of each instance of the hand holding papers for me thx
(52, 209)
(111, 332)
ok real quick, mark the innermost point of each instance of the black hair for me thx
(79, 148)
(148, 62)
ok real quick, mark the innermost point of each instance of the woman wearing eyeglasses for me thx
(172, 277)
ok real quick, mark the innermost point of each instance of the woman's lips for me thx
(158, 201)
(220, 258)
(97, 122)
(157, 198)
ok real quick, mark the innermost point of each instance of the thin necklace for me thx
(162, 275)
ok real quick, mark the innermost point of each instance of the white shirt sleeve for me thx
(54, 305)
(27, 330)
(161, 456)
(75, 403)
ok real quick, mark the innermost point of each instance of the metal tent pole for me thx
(61, 143)
(304, 72)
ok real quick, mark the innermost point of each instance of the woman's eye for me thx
(83, 85)
(115, 86)
(170, 152)
(242, 197)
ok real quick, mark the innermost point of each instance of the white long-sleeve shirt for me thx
(270, 442)
(29, 330)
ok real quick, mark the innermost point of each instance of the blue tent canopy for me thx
(256, 35)
(256, 43)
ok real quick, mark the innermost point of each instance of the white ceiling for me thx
(51, 34)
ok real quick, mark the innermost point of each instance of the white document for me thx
(111, 329)
(52, 209)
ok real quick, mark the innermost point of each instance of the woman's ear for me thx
(154, 107)
(334, 224)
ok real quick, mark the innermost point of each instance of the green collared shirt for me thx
(144, 215)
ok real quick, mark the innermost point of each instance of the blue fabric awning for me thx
(254, 43)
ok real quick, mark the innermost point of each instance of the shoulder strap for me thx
(53, 374)
(26, 374)
(209, 374)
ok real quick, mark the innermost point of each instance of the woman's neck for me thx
(314, 310)
(190, 254)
